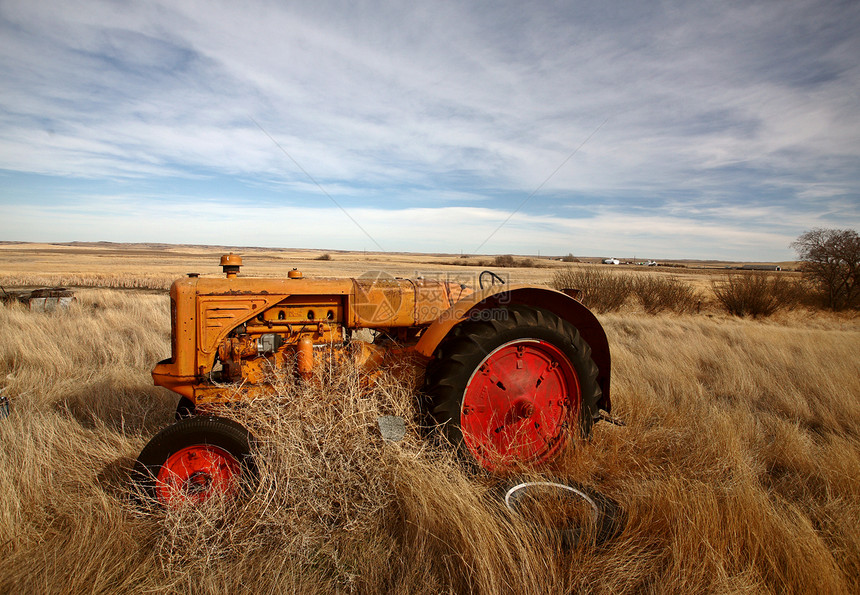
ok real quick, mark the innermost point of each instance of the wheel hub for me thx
(520, 409)
(196, 473)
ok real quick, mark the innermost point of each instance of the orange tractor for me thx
(511, 372)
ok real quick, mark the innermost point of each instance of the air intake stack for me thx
(230, 264)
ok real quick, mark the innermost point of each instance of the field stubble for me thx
(737, 471)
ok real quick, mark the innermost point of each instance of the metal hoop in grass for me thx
(605, 514)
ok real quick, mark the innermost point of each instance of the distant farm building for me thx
(761, 267)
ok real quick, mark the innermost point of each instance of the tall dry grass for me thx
(105, 280)
(662, 294)
(605, 290)
(602, 290)
(737, 472)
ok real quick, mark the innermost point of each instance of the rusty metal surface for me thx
(44, 299)
(313, 318)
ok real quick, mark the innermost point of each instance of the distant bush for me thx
(569, 258)
(658, 293)
(325, 256)
(507, 261)
(602, 290)
(809, 294)
(756, 294)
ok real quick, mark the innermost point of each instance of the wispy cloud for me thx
(730, 129)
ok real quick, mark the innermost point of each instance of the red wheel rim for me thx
(518, 404)
(195, 473)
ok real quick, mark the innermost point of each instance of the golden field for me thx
(738, 469)
(156, 266)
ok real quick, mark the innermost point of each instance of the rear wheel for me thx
(510, 387)
(194, 460)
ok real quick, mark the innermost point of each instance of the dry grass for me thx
(603, 290)
(156, 266)
(141, 266)
(737, 471)
(661, 294)
(607, 290)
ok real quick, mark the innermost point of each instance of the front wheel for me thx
(511, 386)
(195, 459)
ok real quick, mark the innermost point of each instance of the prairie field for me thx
(738, 469)
(146, 266)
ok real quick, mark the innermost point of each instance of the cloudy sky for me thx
(647, 129)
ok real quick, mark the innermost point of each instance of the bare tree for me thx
(831, 260)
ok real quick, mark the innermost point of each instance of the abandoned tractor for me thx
(512, 373)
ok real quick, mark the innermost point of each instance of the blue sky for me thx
(710, 130)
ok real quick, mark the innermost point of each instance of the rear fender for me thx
(556, 302)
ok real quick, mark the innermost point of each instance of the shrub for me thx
(755, 294)
(506, 260)
(325, 256)
(807, 293)
(569, 258)
(657, 294)
(602, 290)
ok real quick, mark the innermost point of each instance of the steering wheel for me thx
(493, 278)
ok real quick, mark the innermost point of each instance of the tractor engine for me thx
(228, 334)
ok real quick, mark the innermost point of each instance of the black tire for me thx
(201, 434)
(471, 343)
